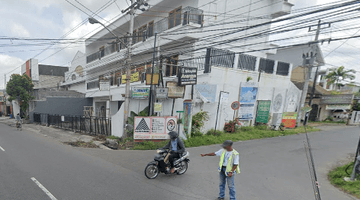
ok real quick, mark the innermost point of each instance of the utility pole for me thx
(318, 30)
(5, 83)
(151, 94)
(308, 65)
(131, 10)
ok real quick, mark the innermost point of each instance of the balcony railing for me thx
(189, 15)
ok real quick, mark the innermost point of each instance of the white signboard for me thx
(104, 85)
(154, 128)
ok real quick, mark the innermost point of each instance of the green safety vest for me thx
(230, 162)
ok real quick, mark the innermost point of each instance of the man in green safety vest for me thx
(228, 167)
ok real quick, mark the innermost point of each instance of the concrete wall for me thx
(62, 106)
(48, 81)
(79, 87)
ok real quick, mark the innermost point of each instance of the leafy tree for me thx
(20, 87)
(339, 74)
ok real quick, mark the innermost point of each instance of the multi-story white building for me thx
(205, 34)
(75, 77)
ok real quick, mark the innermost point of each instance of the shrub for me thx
(196, 134)
(198, 121)
(246, 128)
(329, 118)
(230, 127)
(214, 133)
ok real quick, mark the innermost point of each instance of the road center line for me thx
(2, 149)
(43, 188)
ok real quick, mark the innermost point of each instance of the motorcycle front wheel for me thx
(151, 171)
(183, 168)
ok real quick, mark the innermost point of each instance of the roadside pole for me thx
(151, 95)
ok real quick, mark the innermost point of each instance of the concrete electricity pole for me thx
(308, 62)
(131, 10)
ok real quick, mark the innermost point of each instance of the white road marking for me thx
(2, 149)
(43, 188)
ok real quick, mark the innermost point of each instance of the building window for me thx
(171, 66)
(283, 69)
(73, 77)
(150, 31)
(175, 17)
(135, 37)
(247, 62)
(92, 85)
(102, 51)
(142, 33)
(266, 65)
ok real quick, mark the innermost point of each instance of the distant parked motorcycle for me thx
(161, 164)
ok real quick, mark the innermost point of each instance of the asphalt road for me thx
(272, 169)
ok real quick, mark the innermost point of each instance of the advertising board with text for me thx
(154, 128)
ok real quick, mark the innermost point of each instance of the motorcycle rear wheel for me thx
(151, 171)
(183, 168)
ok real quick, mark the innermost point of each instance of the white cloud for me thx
(9, 64)
(19, 30)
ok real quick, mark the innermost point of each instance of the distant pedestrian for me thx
(228, 167)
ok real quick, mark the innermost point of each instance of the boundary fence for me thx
(88, 125)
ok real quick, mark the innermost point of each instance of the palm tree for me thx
(337, 75)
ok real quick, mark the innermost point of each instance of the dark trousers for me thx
(172, 157)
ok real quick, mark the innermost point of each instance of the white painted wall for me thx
(79, 87)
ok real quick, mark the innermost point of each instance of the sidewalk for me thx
(55, 133)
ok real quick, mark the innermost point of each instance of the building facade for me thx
(202, 34)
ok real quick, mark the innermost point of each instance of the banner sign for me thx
(263, 112)
(248, 96)
(187, 75)
(246, 111)
(133, 78)
(175, 91)
(154, 128)
(337, 99)
(140, 92)
(161, 93)
(155, 79)
(207, 92)
(104, 85)
(338, 107)
(157, 107)
(289, 119)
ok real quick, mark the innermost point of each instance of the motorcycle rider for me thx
(177, 147)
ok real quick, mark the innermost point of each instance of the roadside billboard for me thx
(154, 128)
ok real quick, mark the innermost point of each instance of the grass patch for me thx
(113, 137)
(336, 178)
(218, 137)
(330, 122)
(83, 144)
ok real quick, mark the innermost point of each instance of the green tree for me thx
(339, 74)
(20, 88)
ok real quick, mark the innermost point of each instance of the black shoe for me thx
(220, 198)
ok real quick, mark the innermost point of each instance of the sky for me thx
(54, 18)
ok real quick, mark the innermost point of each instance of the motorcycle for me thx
(161, 164)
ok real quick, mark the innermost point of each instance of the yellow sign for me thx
(155, 79)
(134, 78)
(157, 107)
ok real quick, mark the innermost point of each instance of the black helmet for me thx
(173, 135)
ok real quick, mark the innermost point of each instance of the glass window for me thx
(150, 31)
(175, 17)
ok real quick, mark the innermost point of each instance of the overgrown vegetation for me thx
(79, 143)
(198, 121)
(218, 137)
(336, 178)
(20, 88)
